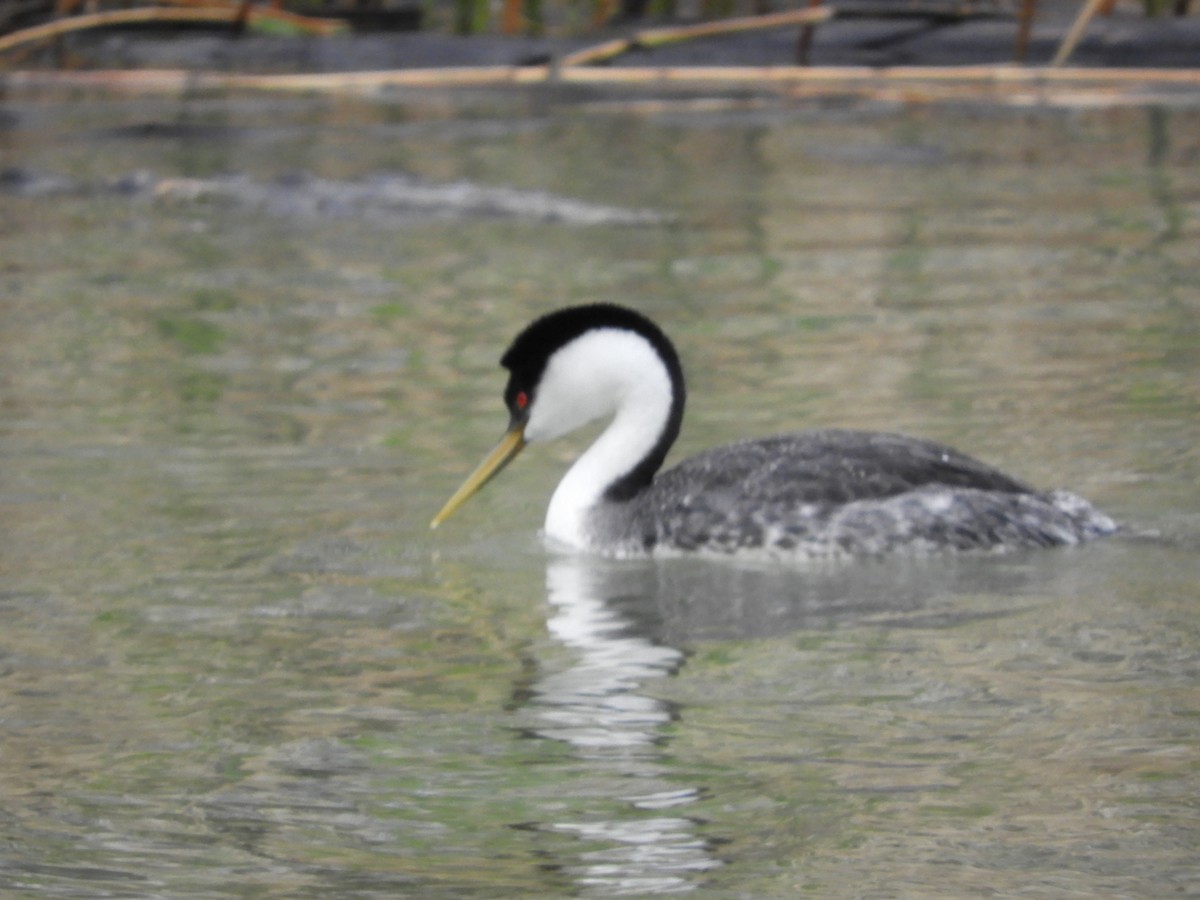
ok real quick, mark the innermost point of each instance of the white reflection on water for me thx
(649, 856)
(625, 622)
(597, 707)
(594, 704)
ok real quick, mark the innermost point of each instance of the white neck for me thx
(604, 372)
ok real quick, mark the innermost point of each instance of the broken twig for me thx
(656, 37)
(225, 14)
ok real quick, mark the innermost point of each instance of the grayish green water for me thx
(235, 662)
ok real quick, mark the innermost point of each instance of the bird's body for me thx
(836, 493)
(808, 495)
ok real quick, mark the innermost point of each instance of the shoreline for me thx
(1122, 40)
(1125, 58)
(1007, 85)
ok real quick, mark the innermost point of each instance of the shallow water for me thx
(235, 662)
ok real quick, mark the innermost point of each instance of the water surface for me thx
(235, 662)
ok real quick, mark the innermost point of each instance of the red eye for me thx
(522, 399)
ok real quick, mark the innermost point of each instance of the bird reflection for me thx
(627, 624)
(596, 703)
(599, 705)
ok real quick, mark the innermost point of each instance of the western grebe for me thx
(812, 494)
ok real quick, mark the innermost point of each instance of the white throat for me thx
(606, 372)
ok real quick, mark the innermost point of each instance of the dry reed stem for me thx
(655, 37)
(1062, 86)
(1089, 10)
(215, 13)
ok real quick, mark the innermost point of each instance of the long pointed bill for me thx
(510, 445)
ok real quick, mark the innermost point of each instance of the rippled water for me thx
(235, 662)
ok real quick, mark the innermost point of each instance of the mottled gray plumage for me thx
(826, 494)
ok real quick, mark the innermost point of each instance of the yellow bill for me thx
(510, 445)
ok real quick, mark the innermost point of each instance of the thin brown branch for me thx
(1067, 47)
(909, 84)
(655, 37)
(225, 14)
